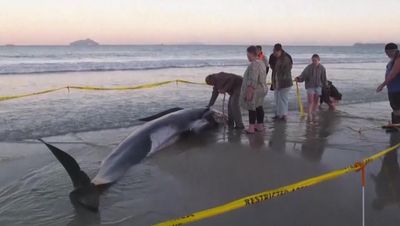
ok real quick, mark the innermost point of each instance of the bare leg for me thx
(310, 101)
(315, 103)
(332, 105)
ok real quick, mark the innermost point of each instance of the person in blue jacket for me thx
(392, 80)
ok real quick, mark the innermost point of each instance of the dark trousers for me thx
(234, 113)
(258, 115)
(394, 99)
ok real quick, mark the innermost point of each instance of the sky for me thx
(306, 22)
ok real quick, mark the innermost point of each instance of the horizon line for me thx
(190, 44)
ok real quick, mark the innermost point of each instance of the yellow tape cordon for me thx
(145, 86)
(267, 195)
(299, 101)
(3, 98)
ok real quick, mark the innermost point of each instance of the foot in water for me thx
(251, 129)
(260, 127)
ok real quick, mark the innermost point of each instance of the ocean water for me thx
(355, 71)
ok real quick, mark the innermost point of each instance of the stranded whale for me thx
(155, 134)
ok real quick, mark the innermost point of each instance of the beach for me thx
(197, 172)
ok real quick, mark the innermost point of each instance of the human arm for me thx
(323, 77)
(214, 97)
(392, 75)
(303, 75)
(252, 80)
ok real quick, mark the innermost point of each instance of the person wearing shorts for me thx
(392, 80)
(314, 76)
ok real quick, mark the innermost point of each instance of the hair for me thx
(252, 50)
(259, 47)
(210, 79)
(278, 47)
(391, 46)
(316, 56)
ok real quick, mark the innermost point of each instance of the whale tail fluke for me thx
(85, 193)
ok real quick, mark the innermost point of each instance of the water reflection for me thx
(278, 137)
(387, 181)
(84, 217)
(317, 134)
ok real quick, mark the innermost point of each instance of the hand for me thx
(249, 94)
(380, 88)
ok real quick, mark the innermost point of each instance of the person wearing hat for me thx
(281, 64)
(227, 83)
(392, 80)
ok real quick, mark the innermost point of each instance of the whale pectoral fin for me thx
(85, 193)
(159, 115)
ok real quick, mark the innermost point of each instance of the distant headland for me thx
(84, 42)
(381, 45)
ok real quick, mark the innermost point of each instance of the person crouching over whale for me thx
(330, 95)
(231, 84)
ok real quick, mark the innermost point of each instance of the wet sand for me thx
(219, 166)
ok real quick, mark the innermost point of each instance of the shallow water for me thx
(62, 112)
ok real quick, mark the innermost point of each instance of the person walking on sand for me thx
(231, 84)
(262, 57)
(392, 80)
(314, 76)
(281, 64)
(253, 91)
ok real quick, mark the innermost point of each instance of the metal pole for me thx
(363, 194)
(223, 115)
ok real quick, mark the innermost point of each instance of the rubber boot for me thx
(251, 129)
(260, 127)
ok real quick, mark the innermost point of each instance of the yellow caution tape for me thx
(299, 101)
(3, 98)
(267, 195)
(145, 86)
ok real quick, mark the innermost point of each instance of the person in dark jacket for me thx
(330, 95)
(281, 64)
(228, 83)
(392, 80)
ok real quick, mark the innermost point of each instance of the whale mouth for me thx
(219, 117)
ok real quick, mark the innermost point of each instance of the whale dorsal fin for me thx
(159, 115)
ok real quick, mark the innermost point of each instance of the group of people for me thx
(248, 92)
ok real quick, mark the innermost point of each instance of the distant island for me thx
(84, 42)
